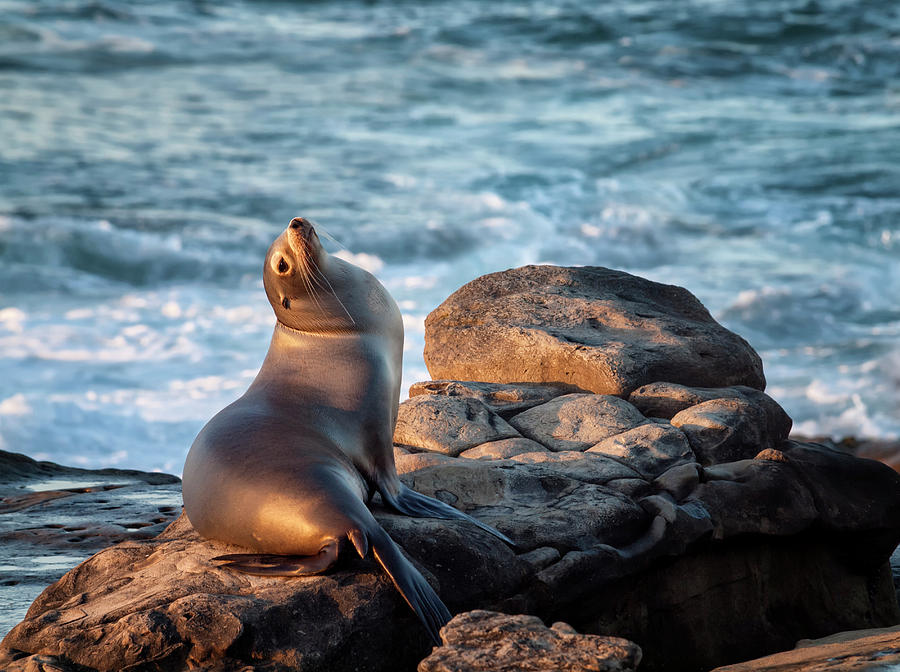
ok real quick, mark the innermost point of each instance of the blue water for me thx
(150, 151)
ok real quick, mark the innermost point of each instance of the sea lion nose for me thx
(298, 222)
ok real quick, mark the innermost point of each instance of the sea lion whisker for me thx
(313, 276)
(307, 265)
(320, 229)
(334, 294)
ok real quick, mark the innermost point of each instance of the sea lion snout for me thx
(300, 232)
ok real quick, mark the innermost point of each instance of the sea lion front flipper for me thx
(266, 564)
(417, 505)
(410, 583)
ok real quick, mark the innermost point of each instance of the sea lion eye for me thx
(286, 302)
(282, 266)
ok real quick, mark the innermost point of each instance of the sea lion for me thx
(287, 469)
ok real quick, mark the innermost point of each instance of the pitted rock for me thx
(492, 642)
(665, 400)
(650, 449)
(577, 421)
(726, 430)
(505, 399)
(601, 330)
(448, 425)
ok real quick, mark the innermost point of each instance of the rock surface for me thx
(485, 641)
(505, 399)
(577, 421)
(594, 550)
(601, 330)
(874, 649)
(665, 400)
(52, 517)
(448, 424)
(883, 450)
(726, 430)
(649, 449)
(502, 449)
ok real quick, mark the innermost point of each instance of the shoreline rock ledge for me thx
(674, 514)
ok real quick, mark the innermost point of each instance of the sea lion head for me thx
(301, 284)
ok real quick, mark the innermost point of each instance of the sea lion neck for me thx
(290, 337)
(293, 348)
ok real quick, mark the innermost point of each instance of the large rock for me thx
(485, 641)
(52, 517)
(602, 330)
(577, 421)
(798, 537)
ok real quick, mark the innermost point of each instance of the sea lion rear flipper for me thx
(416, 504)
(266, 564)
(419, 595)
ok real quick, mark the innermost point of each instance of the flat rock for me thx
(649, 449)
(870, 649)
(485, 641)
(726, 430)
(665, 400)
(536, 504)
(577, 421)
(52, 517)
(448, 425)
(601, 330)
(502, 449)
(584, 467)
(505, 399)
(406, 460)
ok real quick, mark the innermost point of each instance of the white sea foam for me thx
(368, 262)
(12, 319)
(413, 324)
(171, 309)
(15, 405)
(420, 281)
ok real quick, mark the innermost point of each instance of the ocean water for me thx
(150, 151)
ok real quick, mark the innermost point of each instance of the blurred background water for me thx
(150, 151)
